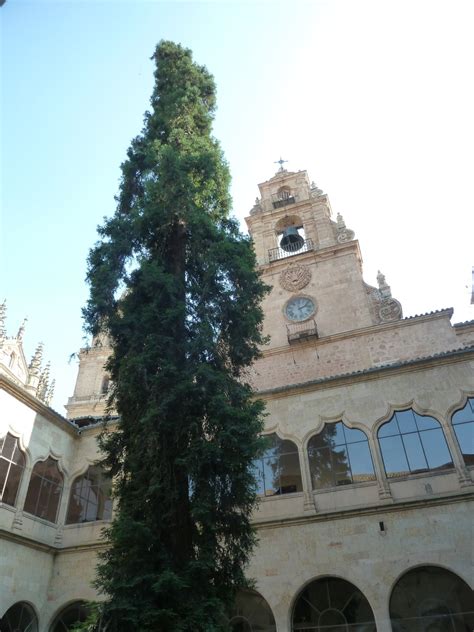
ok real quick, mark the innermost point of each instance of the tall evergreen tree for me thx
(174, 285)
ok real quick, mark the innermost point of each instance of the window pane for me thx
(9, 446)
(465, 414)
(51, 471)
(18, 456)
(13, 483)
(426, 423)
(394, 456)
(354, 434)
(436, 449)
(340, 464)
(257, 471)
(416, 458)
(43, 499)
(406, 421)
(53, 504)
(4, 467)
(465, 435)
(271, 474)
(337, 435)
(290, 475)
(74, 510)
(389, 429)
(33, 494)
(107, 511)
(321, 468)
(361, 462)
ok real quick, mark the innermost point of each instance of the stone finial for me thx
(35, 364)
(21, 330)
(3, 315)
(343, 233)
(384, 288)
(43, 383)
(49, 395)
(315, 190)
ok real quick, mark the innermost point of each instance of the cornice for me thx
(35, 404)
(351, 512)
(372, 373)
(363, 331)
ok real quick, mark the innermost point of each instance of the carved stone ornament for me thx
(295, 277)
(390, 309)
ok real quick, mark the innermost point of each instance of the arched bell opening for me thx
(290, 234)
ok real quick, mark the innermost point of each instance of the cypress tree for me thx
(174, 285)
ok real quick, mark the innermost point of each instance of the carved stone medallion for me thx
(390, 309)
(295, 277)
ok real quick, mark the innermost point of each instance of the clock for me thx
(299, 308)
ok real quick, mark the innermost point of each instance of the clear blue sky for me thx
(373, 98)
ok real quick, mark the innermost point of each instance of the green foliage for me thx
(173, 284)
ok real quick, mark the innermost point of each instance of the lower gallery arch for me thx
(331, 604)
(251, 613)
(19, 618)
(431, 598)
(69, 616)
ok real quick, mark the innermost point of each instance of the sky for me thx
(374, 98)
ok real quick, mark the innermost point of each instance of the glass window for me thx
(332, 604)
(339, 455)
(19, 618)
(411, 443)
(463, 424)
(90, 497)
(44, 490)
(251, 613)
(12, 464)
(431, 598)
(71, 615)
(278, 470)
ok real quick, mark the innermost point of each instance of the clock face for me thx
(299, 308)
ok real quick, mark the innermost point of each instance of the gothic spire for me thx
(21, 330)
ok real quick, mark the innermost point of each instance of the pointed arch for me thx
(45, 490)
(12, 467)
(339, 455)
(90, 497)
(278, 470)
(412, 443)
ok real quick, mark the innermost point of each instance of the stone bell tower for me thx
(314, 267)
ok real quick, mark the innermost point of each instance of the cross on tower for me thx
(280, 162)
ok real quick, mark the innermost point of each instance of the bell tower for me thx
(313, 265)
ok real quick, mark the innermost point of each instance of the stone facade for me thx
(339, 351)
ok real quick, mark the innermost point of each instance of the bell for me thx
(291, 240)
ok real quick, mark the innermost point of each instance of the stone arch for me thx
(68, 614)
(251, 613)
(427, 596)
(20, 617)
(329, 601)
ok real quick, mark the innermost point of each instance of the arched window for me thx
(68, 617)
(19, 618)
(90, 497)
(431, 598)
(44, 490)
(411, 443)
(284, 193)
(251, 613)
(339, 455)
(278, 471)
(12, 464)
(463, 424)
(332, 604)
